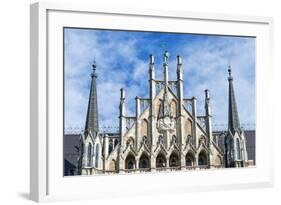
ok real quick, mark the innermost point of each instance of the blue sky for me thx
(122, 60)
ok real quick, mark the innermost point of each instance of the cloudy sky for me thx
(122, 60)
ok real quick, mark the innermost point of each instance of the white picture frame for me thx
(46, 133)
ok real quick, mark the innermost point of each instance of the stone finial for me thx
(229, 73)
(179, 60)
(207, 94)
(166, 57)
(151, 57)
(123, 93)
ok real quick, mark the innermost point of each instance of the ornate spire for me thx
(92, 121)
(233, 118)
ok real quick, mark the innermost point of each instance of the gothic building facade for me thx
(165, 134)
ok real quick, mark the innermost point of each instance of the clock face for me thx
(166, 123)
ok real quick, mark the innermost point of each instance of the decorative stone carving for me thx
(166, 124)
(165, 120)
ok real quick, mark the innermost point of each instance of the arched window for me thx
(160, 160)
(202, 159)
(189, 160)
(174, 160)
(89, 155)
(188, 127)
(174, 108)
(238, 149)
(130, 162)
(144, 161)
(144, 128)
(97, 156)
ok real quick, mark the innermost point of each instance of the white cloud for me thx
(121, 64)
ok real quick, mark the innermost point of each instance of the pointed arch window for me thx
(144, 128)
(189, 160)
(238, 149)
(130, 162)
(202, 159)
(173, 109)
(97, 156)
(174, 160)
(89, 155)
(144, 161)
(160, 160)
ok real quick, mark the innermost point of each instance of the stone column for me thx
(152, 77)
(194, 124)
(138, 122)
(180, 117)
(122, 116)
(105, 151)
(208, 116)
(152, 114)
(122, 127)
(208, 123)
